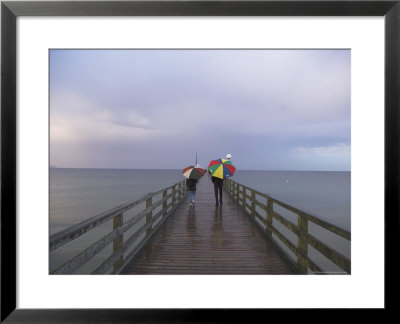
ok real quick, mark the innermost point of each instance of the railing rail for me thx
(168, 202)
(248, 203)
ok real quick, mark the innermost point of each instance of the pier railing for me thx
(267, 213)
(143, 224)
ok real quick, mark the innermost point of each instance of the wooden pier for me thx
(160, 233)
(207, 239)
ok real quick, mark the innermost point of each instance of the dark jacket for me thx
(216, 180)
(191, 184)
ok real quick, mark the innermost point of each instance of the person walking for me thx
(218, 184)
(191, 187)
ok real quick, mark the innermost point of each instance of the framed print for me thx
(228, 50)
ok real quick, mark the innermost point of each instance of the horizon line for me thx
(103, 168)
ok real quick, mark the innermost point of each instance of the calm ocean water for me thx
(326, 195)
(78, 194)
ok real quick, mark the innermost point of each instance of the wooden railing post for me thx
(117, 243)
(165, 203)
(244, 196)
(183, 190)
(173, 196)
(149, 216)
(268, 221)
(302, 244)
(253, 204)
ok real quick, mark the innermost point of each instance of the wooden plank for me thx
(206, 239)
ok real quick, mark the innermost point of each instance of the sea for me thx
(78, 194)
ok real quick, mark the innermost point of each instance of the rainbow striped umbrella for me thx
(221, 168)
(193, 172)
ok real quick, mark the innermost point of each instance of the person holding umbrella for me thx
(191, 188)
(192, 173)
(219, 170)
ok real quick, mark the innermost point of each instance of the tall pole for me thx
(196, 158)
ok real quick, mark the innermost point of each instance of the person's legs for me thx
(220, 193)
(216, 192)
(191, 196)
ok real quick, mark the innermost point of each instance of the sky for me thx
(157, 109)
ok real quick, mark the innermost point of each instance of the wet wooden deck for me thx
(208, 240)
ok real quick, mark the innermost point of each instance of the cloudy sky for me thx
(271, 109)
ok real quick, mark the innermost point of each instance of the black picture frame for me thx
(10, 10)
